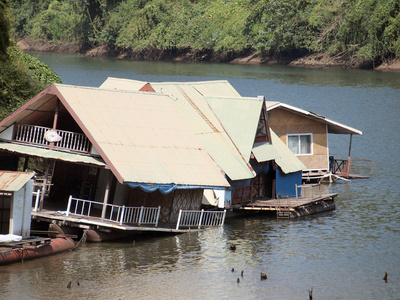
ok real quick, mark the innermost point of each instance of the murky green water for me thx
(341, 254)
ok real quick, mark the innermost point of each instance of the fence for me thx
(115, 213)
(307, 190)
(242, 194)
(196, 218)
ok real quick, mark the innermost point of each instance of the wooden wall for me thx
(284, 122)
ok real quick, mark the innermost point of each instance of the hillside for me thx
(318, 33)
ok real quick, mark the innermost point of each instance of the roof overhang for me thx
(333, 126)
(51, 154)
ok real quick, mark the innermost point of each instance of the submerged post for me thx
(201, 218)
(158, 215)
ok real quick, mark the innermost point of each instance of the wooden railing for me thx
(353, 166)
(196, 218)
(32, 134)
(115, 213)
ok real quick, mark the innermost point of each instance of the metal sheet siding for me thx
(52, 154)
(143, 136)
(11, 181)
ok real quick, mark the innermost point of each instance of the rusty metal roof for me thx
(12, 181)
(52, 154)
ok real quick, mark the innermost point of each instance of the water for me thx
(341, 254)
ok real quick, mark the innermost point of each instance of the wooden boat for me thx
(33, 248)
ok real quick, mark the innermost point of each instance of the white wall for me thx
(21, 206)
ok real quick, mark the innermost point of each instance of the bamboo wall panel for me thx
(284, 122)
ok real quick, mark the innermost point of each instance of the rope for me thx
(83, 239)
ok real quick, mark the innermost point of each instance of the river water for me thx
(342, 254)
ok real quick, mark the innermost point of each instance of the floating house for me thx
(306, 135)
(235, 132)
(114, 160)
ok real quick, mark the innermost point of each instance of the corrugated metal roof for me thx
(287, 161)
(239, 117)
(52, 154)
(11, 181)
(192, 106)
(265, 152)
(217, 88)
(333, 126)
(141, 136)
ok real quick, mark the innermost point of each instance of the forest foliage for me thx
(21, 75)
(366, 29)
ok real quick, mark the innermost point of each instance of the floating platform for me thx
(293, 207)
(33, 248)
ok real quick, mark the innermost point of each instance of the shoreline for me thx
(315, 60)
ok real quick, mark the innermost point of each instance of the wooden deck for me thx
(292, 206)
(93, 222)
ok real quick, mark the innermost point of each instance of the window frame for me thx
(298, 135)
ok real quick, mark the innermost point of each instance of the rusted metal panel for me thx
(12, 181)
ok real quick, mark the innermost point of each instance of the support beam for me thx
(106, 195)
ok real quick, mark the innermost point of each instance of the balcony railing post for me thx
(140, 215)
(223, 218)
(201, 218)
(158, 215)
(69, 205)
(122, 215)
(179, 219)
(37, 200)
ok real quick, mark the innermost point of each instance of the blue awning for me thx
(168, 188)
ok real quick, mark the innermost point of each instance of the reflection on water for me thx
(341, 254)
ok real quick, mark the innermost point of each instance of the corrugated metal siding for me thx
(143, 136)
(52, 154)
(11, 181)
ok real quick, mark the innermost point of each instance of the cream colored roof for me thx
(196, 111)
(141, 136)
(215, 88)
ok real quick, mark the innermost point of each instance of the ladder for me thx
(283, 212)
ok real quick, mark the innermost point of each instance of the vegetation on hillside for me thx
(21, 75)
(365, 29)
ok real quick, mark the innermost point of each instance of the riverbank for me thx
(316, 60)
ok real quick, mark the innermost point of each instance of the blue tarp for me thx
(168, 188)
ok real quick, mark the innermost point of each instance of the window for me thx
(300, 144)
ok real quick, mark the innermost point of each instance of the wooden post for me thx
(51, 146)
(46, 177)
(106, 193)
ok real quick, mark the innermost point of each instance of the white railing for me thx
(37, 199)
(32, 134)
(199, 218)
(116, 213)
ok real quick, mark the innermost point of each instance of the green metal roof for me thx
(265, 152)
(52, 154)
(287, 161)
(239, 117)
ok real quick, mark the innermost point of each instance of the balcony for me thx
(63, 140)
